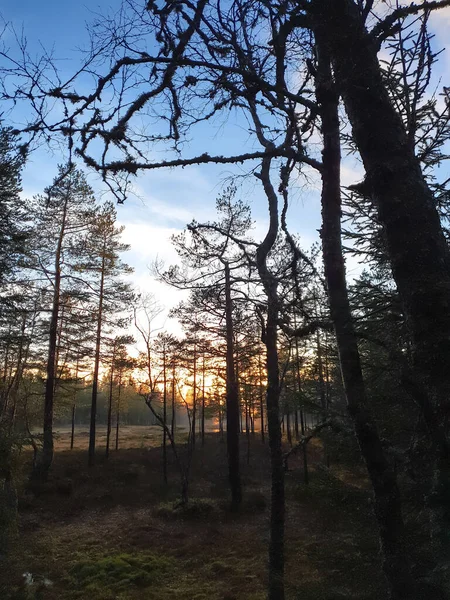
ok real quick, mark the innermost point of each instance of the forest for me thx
(265, 415)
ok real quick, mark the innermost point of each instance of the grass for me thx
(115, 531)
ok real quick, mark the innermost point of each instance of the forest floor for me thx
(114, 531)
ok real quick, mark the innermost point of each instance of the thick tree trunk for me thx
(276, 546)
(277, 508)
(232, 400)
(416, 245)
(387, 501)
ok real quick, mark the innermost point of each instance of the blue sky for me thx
(165, 200)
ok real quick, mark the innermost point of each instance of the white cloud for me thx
(150, 242)
(351, 173)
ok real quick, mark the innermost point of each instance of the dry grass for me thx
(100, 533)
(129, 437)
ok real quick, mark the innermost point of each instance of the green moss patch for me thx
(108, 575)
(198, 508)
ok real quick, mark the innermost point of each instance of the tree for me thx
(124, 366)
(112, 296)
(387, 496)
(118, 357)
(207, 262)
(62, 216)
(14, 302)
(166, 345)
(13, 232)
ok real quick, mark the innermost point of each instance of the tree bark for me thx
(387, 501)
(194, 397)
(298, 378)
(91, 458)
(72, 433)
(247, 423)
(232, 400)
(203, 399)
(277, 509)
(110, 401)
(164, 444)
(118, 414)
(172, 423)
(261, 398)
(74, 405)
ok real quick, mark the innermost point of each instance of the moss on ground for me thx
(196, 508)
(105, 576)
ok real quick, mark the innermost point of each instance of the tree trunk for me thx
(72, 433)
(45, 457)
(232, 400)
(93, 422)
(305, 450)
(288, 427)
(4, 394)
(247, 423)
(118, 413)
(322, 390)
(164, 444)
(172, 423)
(261, 399)
(298, 378)
(387, 501)
(194, 397)
(276, 547)
(110, 400)
(12, 389)
(203, 400)
(277, 508)
(74, 404)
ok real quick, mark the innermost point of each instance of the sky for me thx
(166, 200)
